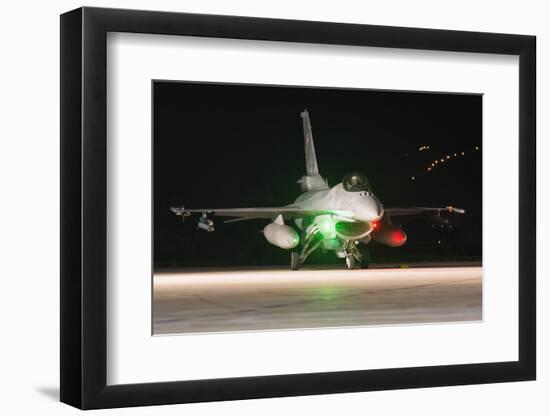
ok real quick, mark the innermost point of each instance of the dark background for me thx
(223, 145)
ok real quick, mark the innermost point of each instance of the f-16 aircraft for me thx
(343, 218)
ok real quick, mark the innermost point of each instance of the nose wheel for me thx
(365, 257)
(351, 262)
(356, 256)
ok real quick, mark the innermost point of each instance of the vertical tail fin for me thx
(311, 159)
(312, 180)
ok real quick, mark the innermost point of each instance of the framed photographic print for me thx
(258, 208)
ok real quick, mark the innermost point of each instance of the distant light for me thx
(375, 225)
(437, 162)
(412, 178)
(442, 159)
(429, 168)
(456, 154)
(462, 153)
(439, 242)
(477, 148)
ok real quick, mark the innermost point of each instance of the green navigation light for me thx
(326, 226)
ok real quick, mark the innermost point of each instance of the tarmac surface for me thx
(200, 301)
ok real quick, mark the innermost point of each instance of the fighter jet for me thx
(343, 218)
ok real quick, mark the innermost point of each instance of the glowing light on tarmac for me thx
(327, 293)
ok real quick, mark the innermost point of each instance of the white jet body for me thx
(360, 206)
(343, 218)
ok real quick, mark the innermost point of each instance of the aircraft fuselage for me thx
(362, 206)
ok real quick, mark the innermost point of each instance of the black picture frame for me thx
(84, 207)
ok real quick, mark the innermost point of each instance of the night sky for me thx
(223, 145)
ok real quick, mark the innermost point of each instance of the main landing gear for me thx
(294, 260)
(311, 240)
(356, 256)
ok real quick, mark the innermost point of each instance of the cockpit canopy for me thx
(356, 181)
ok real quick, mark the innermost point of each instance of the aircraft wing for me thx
(248, 213)
(409, 211)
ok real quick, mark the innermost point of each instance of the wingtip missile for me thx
(455, 210)
(180, 211)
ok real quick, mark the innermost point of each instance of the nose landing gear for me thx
(356, 256)
(351, 262)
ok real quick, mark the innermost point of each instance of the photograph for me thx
(285, 204)
(297, 207)
(315, 209)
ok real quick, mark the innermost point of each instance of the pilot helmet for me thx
(356, 181)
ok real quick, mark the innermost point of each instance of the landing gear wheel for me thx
(365, 258)
(294, 261)
(351, 262)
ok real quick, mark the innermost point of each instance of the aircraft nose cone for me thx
(369, 210)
